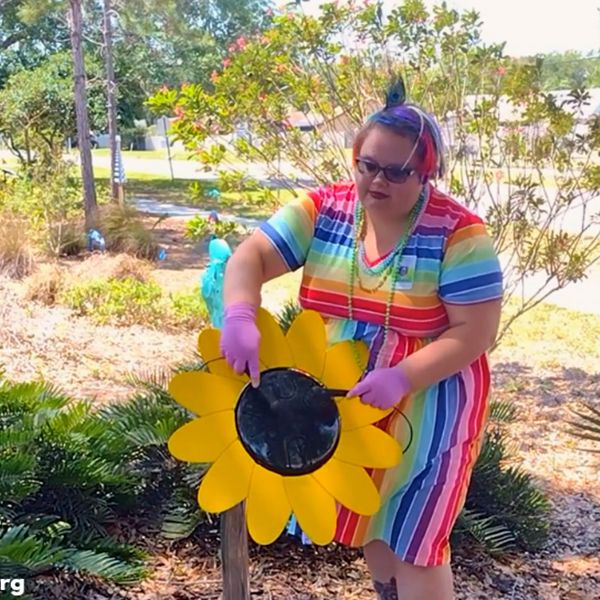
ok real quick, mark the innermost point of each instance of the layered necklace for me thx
(388, 268)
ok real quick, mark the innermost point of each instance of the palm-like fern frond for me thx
(502, 412)
(507, 496)
(103, 565)
(588, 425)
(493, 538)
(291, 309)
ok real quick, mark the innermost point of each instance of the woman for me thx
(391, 260)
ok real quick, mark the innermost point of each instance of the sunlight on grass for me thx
(145, 154)
(578, 332)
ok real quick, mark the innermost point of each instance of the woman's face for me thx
(385, 148)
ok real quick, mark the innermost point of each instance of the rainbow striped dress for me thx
(449, 258)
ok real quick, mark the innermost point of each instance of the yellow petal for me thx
(349, 485)
(268, 508)
(354, 413)
(307, 340)
(313, 506)
(369, 447)
(208, 346)
(205, 393)
(274, 350)
(344, 364)
(204, 440)
(227, 482)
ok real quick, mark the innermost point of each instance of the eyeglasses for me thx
(393, 173)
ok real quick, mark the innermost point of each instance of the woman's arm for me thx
(472, 332)
(254, 262)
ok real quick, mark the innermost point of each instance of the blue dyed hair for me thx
(410, 120)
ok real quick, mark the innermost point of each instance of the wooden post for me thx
(234, 554)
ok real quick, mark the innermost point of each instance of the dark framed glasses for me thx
(393, 173)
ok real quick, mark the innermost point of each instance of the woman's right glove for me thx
(240, 339)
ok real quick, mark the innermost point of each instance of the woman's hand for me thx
(240, 339)
(382, 388)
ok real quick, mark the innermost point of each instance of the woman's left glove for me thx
(382, 388)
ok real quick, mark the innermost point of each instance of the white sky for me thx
(529, 26)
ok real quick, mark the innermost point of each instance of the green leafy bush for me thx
(188, 310)
(504, 509)
(198, 228)
(48, 199)
(68, 474)
(128, 300)
(62, 484)
(120, 301)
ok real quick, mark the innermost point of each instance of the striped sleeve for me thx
(291, 228)
(470, 270)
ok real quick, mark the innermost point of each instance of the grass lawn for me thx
(163, 189)
(145, 154)
(577, 332)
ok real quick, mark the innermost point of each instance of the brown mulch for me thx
(90, 361)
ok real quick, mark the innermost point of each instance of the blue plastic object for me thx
(95, 241)
(211, 281)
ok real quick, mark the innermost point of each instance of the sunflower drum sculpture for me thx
(290, 446)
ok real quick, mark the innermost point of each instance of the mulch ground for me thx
(90, 361)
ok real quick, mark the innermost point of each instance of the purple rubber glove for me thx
(382, 388)
(240, 339)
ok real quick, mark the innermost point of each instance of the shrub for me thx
(120, 301)
(188, 310)
(198, 228)
(129, 300)
(504, 509)
(125, 231)
(45, 284)
(48, 199)
(62, 484)
(16, 254)
(66, 239)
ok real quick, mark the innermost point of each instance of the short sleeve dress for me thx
(449, 258)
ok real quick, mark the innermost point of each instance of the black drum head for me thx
(288, 424)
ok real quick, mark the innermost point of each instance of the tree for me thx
(81, 111)
(569, 70)
(25, 44)
(170, 42)
(36, 108)
(518, 156)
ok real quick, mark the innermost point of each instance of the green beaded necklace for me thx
(392, 268)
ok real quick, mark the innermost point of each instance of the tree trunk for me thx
(234, 554)
(111, 95)
(83, 124)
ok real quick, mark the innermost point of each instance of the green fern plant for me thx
(504, 510)
(26, 551)
(291, 309)
(587, 427)
(144, 424)
(60, 483)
